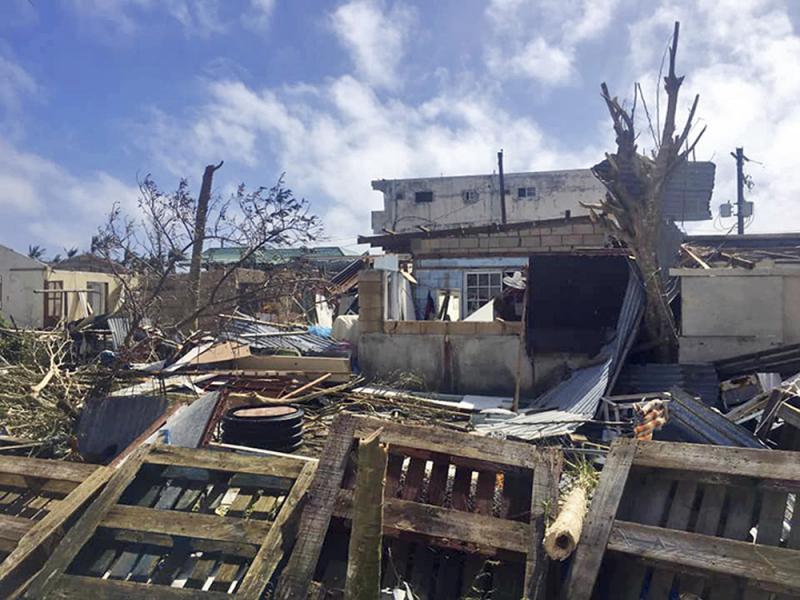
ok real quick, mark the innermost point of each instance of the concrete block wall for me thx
(554, 236)
(370, 301)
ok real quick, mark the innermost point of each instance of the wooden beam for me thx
(79, 588)
(38, 468)
(446, 441)
(198, 458)
(49, 579)
(33, 549)
(767, 567)
(307, 386)
(186, 524)
(280, 537)
(296, 578)
(774, 465)
(470, 530)
(597, 528)
(306, 364)
(546, 477)
(366, 537)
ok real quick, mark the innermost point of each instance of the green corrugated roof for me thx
(269, 255)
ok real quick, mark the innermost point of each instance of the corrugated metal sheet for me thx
(269, 339)
(119, 327)
(698, 379)
(565, 407)
(695, 422)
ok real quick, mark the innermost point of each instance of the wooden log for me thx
(565, 532)
(366, 537)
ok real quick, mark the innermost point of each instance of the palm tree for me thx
(36, 252)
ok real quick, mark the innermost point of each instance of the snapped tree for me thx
(172, 228)
(632, 208)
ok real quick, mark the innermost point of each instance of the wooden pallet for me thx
(39, 499)
(181, 523)
(452, 502)
(670, 518)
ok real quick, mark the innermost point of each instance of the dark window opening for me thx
(423, 196)
(526, 192)
(574, 302)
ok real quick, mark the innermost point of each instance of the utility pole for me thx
(740, 158)
(502, 187)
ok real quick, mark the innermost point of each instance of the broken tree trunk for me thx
(565, 532)
(632, 208)
(366, 536)
(200, 234)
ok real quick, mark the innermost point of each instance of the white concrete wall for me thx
(727, 312)
(20, 276)
(556, 193)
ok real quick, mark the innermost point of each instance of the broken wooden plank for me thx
(366, 536)
(772, 569)
(444, 441)
(277, 466)
(776, 465)
(187, 524)
(589, 554)
(78, 587)
(473, 531)
(317, 512)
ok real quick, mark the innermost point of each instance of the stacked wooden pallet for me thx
(669, 519)
(452, 502)
(180, 523)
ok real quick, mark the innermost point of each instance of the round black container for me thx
(274, 427)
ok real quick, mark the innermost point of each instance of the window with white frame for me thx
(526, 192)
(481, 287)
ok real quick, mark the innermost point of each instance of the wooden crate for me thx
(669, 519)
(452, 502)
(39, 499)
(181, 523)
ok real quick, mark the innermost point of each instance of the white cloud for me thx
(540, 40)
(333, 139)
(16, 86)
(375, 37)
(197, 17)
(259, 15)
(52, 207)
(739, 56)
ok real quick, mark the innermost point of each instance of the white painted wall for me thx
(21, 275)
(555, 193)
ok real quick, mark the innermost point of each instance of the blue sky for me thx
(95, 93)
